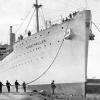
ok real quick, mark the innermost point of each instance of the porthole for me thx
(41, 57)
(62, 27)
(36, 48)
(48, 32)
(58, 41)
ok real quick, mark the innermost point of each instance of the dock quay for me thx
(37, 96)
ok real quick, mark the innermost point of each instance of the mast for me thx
(86, 4)
(37, 16)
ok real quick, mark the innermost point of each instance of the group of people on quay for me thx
(16, 84)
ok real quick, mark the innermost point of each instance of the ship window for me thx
(40, 35)
(50, 43)
(45, 45)
(62, 27)
(35, 37)
(58, 41)
(48, 32)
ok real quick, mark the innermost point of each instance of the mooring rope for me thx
(23, 21)
(52, 61)
(96, 26)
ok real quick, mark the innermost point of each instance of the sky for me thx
(13, 12)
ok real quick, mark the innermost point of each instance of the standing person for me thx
(24, 86)
(8, 86)
(1, 87)
(53, 86)
(16, 85)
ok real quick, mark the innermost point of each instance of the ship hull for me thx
(64, 89)
(51, 55)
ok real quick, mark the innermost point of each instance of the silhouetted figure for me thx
(16, 85)
(1, 87)
(21, 37)
(70, 16)
(24, 86)
(8, 86)
(29, 33)
(66, 19)
(74, 14)
(53, 86)
(18, 38)
(63, 20)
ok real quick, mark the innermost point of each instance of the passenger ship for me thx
(57, 53)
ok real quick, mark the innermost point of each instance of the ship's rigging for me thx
(36, 6)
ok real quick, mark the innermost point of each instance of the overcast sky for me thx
(12, 12)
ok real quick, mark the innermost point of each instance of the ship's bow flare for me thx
(69, 70)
